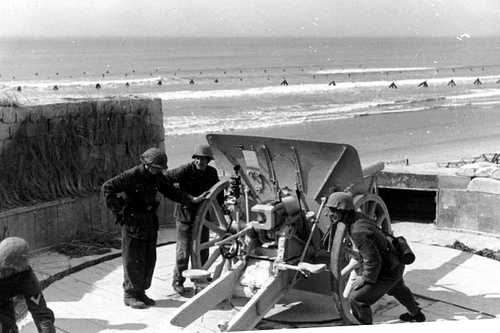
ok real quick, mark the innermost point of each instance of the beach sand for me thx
(426, 136)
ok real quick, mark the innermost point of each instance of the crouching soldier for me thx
(132, 197)
(382, 272)
(194, 178)
(16, 279)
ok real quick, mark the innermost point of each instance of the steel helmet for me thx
(155, 157)
(14, 253)
(203, 151)
(340, 201)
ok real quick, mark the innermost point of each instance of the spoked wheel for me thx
(211, 225)
(344, 256)
(374, 207)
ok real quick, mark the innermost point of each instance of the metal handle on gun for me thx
(313, 228)
(235, 236)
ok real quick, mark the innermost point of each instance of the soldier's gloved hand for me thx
(358, 283)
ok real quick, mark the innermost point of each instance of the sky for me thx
(248, 18)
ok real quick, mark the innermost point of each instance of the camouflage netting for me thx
(51, 156)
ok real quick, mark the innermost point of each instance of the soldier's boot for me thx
(144, 298)
(133, 301)
(419, 317)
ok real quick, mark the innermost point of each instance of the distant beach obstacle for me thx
(216, 81)
(55, 87)
(98, 86)
(498, 81)
(284, 82)
(423, 84)
(477, 82)
(159, 83)
(19, 88)
(393, 85)
(191, 81)
(332, 83)
(127, 84)
(451, 83)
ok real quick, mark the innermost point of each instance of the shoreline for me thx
(426, 136)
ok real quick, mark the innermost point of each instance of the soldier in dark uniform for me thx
(381, 270)
(194, 178)
(16, 279)
(132, 198)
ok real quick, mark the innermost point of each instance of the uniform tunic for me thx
(136, 213)
(381, 269)
(193, 181)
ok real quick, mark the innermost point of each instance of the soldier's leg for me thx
(150, 266)
(134, 264)
(150, 259)
(404, 296)
(182, 252)
(204, 238)
(362, 298)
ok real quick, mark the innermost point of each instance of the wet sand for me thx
(425, 136)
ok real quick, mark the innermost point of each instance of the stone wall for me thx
(54, 158)
(469, 211)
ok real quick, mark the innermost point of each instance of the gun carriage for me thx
(266, 227)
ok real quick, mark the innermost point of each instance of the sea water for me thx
(231, 84)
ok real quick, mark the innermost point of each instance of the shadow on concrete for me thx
(168, 303)
(486, 303)
(82, 325)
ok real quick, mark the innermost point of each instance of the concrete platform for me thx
(449, 284)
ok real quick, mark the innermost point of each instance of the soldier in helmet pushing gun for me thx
(131, 196)
(381, 270)
(193, 178)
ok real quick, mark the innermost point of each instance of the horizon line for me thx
(236, 37)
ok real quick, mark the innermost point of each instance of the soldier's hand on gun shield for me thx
(358, 283)
(201, 197)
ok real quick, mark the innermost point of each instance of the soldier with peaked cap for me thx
(17, 279)
(381, 270)
(132, 197)
(194, 178)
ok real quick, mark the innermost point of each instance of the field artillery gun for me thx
(262, 231)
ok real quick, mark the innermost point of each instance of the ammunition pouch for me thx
(406, 254)
(400, 247)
